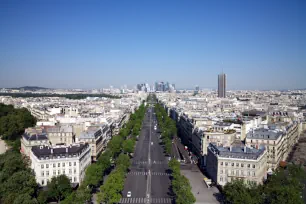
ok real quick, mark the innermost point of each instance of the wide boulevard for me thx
(148, 179)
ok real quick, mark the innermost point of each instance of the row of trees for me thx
(122, 145)
(180, 185)
(167, 127)
(284, 186)
(14, 121)
(69, 96)
(110, 191)
(116, 153)
(17, 181)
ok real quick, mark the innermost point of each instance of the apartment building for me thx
(60, 134)
(32, 137)
(274, 141)
(97, 137)
(202, 137)
(185, 129)
(278, 139)
(225, 164)
(71, 161)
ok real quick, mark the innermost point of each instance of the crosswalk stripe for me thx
(143, 200)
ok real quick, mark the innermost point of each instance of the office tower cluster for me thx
(221, 85)
(144, 87)
(164, 86)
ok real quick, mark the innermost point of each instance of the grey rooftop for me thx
(61, 151)
(241, 152)
(264, 133)
(35, 136)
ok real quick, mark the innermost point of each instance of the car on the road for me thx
(129, 194)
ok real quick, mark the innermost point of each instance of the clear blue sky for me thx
(94, 44)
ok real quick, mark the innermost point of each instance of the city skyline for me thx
(260, 45)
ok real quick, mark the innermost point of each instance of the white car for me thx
(129, 194)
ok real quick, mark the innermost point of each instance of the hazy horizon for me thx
(260, 45)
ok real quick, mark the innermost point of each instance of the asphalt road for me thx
(148, 179)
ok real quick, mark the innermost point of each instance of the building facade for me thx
(32, 137)
(71, 161)
(97, 138)
(61, 134)
(225, 164)
(278, 142)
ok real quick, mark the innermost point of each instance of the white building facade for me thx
(71, 161)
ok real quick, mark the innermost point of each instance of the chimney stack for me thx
(245, 149)
(51, 150)
(230, 148)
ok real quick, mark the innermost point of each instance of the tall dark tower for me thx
(221, 85)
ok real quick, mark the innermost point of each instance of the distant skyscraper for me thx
(221, 85)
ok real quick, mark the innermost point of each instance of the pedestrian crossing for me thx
(142, 173)
(144, 200)
(153, 162)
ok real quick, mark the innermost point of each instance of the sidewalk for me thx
(206, 195)
(182, 150)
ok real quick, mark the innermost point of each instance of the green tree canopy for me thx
(115, 144)
(128, 145)
(59, 187)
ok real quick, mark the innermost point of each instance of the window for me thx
(254, 166)
(237, 164)
(70, 171)
(69, 163)
(70, 179)
(253, 173)
(233, 172)
(47, 173)
(221, 178)
(63, 171)
(63, 164)
(221, 163)
(75, 179)
(225, 163)
(242, 173)
(233, 164)
(58, 172)
(74, 164)
(42, 173)
(59, 164)
(221, 171)
(54, 172)
(74, 170)
(42, 166)
(47, 166)
(42, 182)
(242, 165)
(248, 173)
(54, 165)
(249, 165)
(237, 172)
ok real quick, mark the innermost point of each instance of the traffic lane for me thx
(140, 152)
(137, 184)
(160, 187)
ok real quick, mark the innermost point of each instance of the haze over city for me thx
(78, 44)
